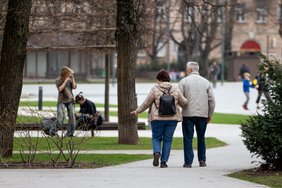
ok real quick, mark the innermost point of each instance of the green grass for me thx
(28, 119)
(269, 178)
(87, 160)
(107, 143)
(219, 118)
(222, 118)
(90, 143)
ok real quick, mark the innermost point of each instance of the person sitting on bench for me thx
(87, 114)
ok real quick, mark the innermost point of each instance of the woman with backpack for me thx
(163, 102)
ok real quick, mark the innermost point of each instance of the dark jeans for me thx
(162, 135)
(85, 122)
(259, 96)
(188, 133)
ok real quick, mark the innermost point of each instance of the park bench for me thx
(105, 126)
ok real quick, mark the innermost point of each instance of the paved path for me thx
(220, 161)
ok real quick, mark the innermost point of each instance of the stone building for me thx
(255, 29)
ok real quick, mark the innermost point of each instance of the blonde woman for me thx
(65, 84)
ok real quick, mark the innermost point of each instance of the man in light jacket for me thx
(198, 112)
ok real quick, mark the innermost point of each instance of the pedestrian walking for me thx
(258, 84)
(163, 126)
(213, 72)
(197, 113)
(65, 84)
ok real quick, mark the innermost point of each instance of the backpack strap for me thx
(168, 90)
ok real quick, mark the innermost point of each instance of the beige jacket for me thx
(197, 90)
(155, 94)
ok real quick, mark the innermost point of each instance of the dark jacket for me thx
(88, 107)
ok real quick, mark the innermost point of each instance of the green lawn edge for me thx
(218, 118)
(269, 178)
(103, 143)
(82, 161)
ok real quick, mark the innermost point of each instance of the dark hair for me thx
(163, 76)
(79, 97)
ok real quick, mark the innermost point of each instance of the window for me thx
(240, 13)
(221, 14)
(161, 50)
(189, 13)
(279, 12)
(261, 15)
(161, 10)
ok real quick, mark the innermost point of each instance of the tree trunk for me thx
(107, 87)
(126, 62)
(229, 22)
(12, 63)
(4, 5)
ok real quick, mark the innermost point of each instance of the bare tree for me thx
(12, 63)
(228, 25)
(199, 26)
(158, 30)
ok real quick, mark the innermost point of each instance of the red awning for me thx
(250, 46)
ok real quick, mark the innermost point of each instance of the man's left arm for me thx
(211, 102)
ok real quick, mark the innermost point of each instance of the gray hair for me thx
(194, 65)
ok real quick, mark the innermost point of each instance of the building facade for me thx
(255, 28)
(80, 34)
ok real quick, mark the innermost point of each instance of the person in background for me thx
(243, 69)
(65, 84)
(258, 84)
(246, 89)
(214, 71)
(197, 113)
(87, 112)
(162, 127)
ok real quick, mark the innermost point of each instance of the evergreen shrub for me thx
(262, 133)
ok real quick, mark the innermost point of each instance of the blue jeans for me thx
(60, 119)
(188, 133)
(162, 134)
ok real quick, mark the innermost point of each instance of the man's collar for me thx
(193, 73)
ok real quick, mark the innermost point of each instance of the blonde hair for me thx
(65, 71)
(246, 74)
